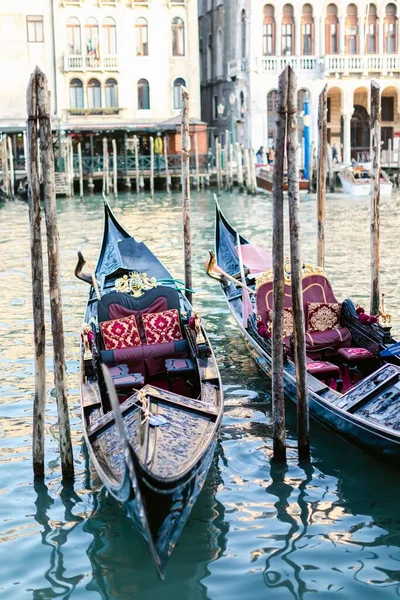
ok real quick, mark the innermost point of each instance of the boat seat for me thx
(353, 358)
(334, 339)
(122, 378)
(324, 371)
(178, 367)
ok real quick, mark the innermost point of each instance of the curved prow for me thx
(215, 272)
(88, 278)
(210, 267)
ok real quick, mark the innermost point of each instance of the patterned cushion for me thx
(323, 315)
(354, 354)
(120, 333)
(162, 327)
(287, 321)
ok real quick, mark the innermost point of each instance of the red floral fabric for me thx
(323, 315)
(120, 333)
(162, 327)
(287, 321)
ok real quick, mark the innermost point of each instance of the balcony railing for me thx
(93, 111)
(83, 62)
(276, 64)
(239, 65)
(367, 63)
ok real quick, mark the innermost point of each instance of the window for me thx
(109, 36)
(94, 94)
(269, 30)
(143, 89)
(243, 33)
(74, 36)
(201, 58)
(92, 41)
(177, 92)
(142, 40)
(332, 30)
(111, 93)
(242, 107)
(287, 29)
(178, 37)
(209, 57)
(76, 93)
(219, 67)
(34, 28)
(215, 105)
(307, 23)
(387, 108)
(372, 45)
(328, 110)
(390, 29)
(351, 30)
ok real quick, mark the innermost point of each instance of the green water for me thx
(331, 527)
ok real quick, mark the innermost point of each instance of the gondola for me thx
(151, 394)
(352, 388)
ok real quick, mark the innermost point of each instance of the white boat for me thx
(356, 181)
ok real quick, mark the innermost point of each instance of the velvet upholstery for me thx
(137, 304)
(179, 365)
(351, 355)
(332, 338)
(322, 369)
(116, 311)
(120, 333)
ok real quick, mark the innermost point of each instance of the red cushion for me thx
(120, 333)
(333, 338)
(162, 327)
(355, 354)
(116, 311)
(322, 368)
(323, 315)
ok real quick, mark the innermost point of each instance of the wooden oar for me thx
(84, 277)
(215, 272)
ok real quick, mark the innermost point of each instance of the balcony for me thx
(83, 62)
(90, 112)
(237, 66)
(364, 64)
(276, 64)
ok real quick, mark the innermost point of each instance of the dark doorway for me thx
(360, 134)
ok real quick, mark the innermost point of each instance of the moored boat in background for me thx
(356, 181)
(264, 178)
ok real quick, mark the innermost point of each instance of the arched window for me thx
(109, 36)
(76, 93)
(178, 37)
(74, 36)
(331, 30)
(94, 94)
(351, 30)
(390, 29)
(209, 57)
(177, 92)
(201, 57)
(219, 67)
(372, 30)
(287, 30)
(269, 30)
(92, 39)
(307, 29)
(143, 90)
(142, 40)
(111, 93)
(243, 33)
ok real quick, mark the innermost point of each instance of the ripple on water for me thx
(257, 529)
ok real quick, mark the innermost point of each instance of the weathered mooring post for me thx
(253, 172)
(187, 241)
(57, 327)
(278, 398)
(39, 401)
(80, 171)
(167, 186)
(11, 169)
(196, 155)
(151, 166)
(296, 267)
(230, 167)
(105, 166)
(115, 169)
(247, 170)
(218, 166)
(4, 164)
(375, 195)
(239, 167)
(321, 175)
(226, 159)
(137, 164)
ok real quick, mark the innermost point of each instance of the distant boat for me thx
(356, 181)
(152, 399)
(264, 178)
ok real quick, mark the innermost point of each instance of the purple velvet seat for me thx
(355, 354)
(179, 365)
(330, 338)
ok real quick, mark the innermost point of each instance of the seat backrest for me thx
(162, 298)
(316, 288)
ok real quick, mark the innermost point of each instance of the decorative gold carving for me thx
(135, 284)
(307, 269)
(386, 317)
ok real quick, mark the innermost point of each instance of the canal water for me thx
(330, 527)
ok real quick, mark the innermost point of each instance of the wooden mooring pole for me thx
(137, 164)
(11, 168)
(296, 268)
(105, 166)
(151, 166)
(321, 175)
(218, 166)
(226, 159)
(39, 401)
(4, 166)
(247, 170)
(187, 241)
(80, 171)
(375, 113)
(167, 184)
(278, 398)
(115, 169)
(196, 155)
(253, 185)
(57, 327)
(239, 167)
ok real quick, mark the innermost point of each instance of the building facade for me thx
(341, 44)
(112, 65)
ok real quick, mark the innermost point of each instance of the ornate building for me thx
(344, 44)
